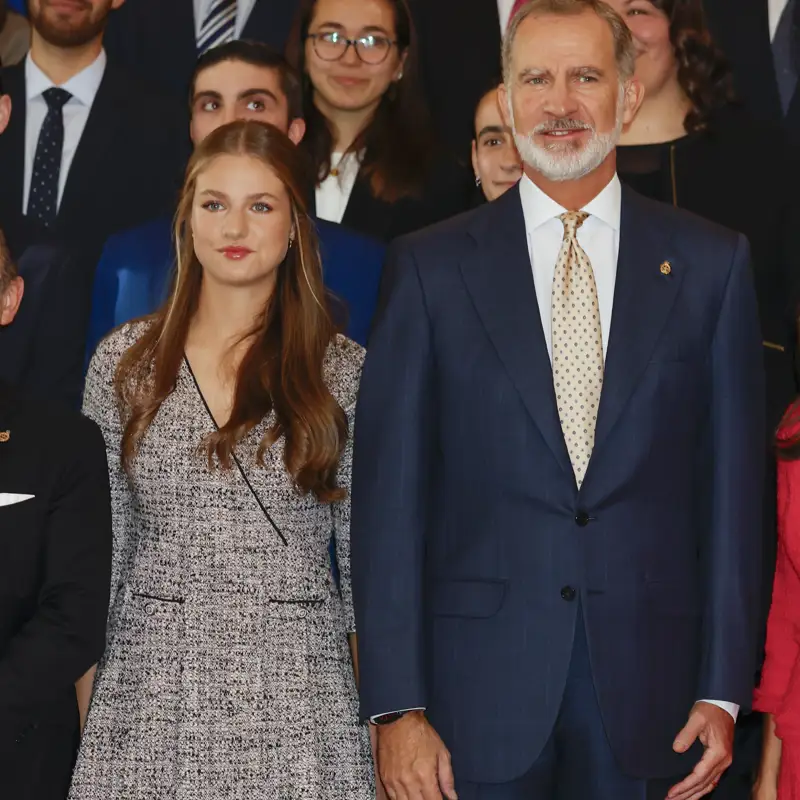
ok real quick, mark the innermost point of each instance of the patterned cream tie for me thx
(577, 345)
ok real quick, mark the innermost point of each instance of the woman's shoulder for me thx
(112, 347)
(342, 369)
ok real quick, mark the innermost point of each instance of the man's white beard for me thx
(566, 162)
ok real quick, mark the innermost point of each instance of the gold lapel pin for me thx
(5, 436)
(666, 268)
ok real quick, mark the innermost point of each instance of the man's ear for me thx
(5, 111)
(297, 130)
(10, 301)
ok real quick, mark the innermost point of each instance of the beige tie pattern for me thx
(577, 340)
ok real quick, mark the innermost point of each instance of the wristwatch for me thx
(388, 719)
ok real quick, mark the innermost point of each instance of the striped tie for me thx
(219, 26)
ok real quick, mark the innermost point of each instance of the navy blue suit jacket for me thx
(467, 523)
(134, 273)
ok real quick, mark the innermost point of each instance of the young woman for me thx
(377, 169)
(227, 415)
(778, 696)
(495, 159)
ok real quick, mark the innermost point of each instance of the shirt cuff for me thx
(401, 711)
(731, 708)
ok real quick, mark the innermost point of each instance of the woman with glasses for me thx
(377, 168)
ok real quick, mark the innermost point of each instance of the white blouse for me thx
(333, 194)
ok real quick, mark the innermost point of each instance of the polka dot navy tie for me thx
(43, 199)
(577, 345)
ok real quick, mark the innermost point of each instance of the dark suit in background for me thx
(460, 54)
(41, 351)
(743, 34)
(447, 192)
(156, 40)
(488, 588)
(128, 164)
(55, 571)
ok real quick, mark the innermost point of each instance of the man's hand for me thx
(713, 726)
(413, 761)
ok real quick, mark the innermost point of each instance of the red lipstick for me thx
(235, 253)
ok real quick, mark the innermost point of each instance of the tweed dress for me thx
(227, 672)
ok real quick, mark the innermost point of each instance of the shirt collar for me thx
(539, 208)
(83, 86)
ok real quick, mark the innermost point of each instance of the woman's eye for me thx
(212, 205)
(261, 208)
(635, 12)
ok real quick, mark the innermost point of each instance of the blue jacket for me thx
(135, 269)
(472, 546)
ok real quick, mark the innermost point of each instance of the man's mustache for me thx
(566, 124)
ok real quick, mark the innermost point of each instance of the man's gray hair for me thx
(624, 47)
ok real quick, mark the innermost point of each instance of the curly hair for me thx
(703, 71)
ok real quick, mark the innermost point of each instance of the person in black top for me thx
(55, 574)
(692, 146)
(378, 169)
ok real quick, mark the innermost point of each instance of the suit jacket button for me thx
(568, 594)
(150, 609)
(582, 519)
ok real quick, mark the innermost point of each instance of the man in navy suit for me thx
(558, 464)
(238, 80)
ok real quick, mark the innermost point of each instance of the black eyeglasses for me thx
(332, 46)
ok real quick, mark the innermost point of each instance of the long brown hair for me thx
(703, 71)
(282, 369)
(398, 143)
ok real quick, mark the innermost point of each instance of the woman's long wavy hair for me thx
(398, 142)
(703, 71)
(282, 368)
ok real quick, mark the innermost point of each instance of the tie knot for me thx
(572, 220)
(56, 98)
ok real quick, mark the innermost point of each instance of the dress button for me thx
(150, 609)
(568, 594)
(582, 519)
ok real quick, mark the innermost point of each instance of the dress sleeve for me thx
(784, 617)
(341, 527)
(100, 404)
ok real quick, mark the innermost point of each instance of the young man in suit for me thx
(558, 469)
(43, 350)
(55, 571)
(761, 39)
(238, 80)
(88, 151)
(160, 42)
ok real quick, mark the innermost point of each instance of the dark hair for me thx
(397, 142)
(283, 368)
(703, 71)
(258, 55)
(3, 17)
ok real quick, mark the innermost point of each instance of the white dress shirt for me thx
(333, 194)
(243, 9)
(775, 12)
(599, 238)
(83, 88)
(504, 10)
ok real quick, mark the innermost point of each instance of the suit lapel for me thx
(270, 22)
(98, 136)
(499, 278)
(643, 300)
